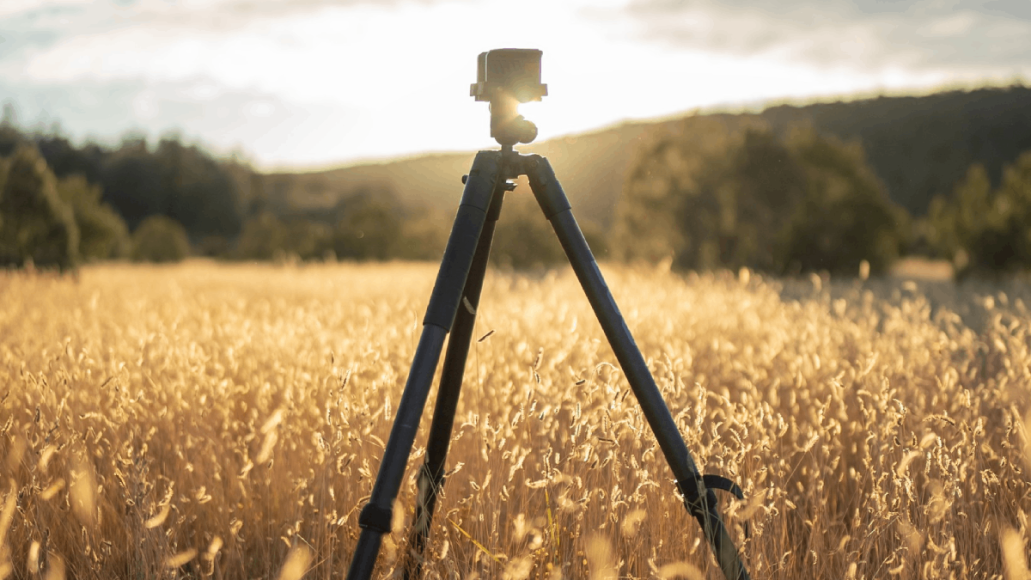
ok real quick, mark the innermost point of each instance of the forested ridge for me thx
(909, 150)
(921, 147)
(918, 146)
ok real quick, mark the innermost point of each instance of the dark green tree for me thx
(985, 232)
(1013, 205)
(179, 181)
(747, 197)
(738, 212)
(36, 224)
(102, 232)
(846, 216)
(201, 194)
(10, 136)
(957, 224)
(667, 209)
(160, 239)
(66, 159)
(133, 184)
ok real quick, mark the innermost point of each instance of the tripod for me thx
(459, 280)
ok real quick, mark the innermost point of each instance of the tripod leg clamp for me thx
(699, 508)
(697, 505)
(723, 484)
(373, 517)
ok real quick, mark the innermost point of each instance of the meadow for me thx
(227, 421)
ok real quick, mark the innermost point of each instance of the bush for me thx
(35, 223)
(160, 239)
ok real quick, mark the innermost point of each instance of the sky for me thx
(301, 84)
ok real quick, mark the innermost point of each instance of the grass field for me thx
(227, 421)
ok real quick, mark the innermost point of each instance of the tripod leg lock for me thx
(723, 484)
(700, 508)
(697, 505)
(374, 517)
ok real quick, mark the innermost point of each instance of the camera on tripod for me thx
(506, 77)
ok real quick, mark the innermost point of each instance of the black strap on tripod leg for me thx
(375, 518)
(431, 476)
(700, 501)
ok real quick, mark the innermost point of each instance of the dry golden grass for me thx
(227, 421)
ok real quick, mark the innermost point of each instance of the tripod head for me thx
(506, 77)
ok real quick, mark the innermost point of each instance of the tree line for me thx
(775, 198)
(792, 200)
(63, 204)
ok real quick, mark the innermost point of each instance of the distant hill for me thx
(918, 146)
(591, 167)
(921, 146)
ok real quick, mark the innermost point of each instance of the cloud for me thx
(36, 8)
(217, 15)
(321, 84)
(309, 55)
(198, 108)
(302, 81)
(14, 42)
(993, 36)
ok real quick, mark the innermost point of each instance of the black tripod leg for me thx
(431, 477)
(376, 517)
(701, 502)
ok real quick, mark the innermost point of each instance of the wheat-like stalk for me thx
(228, 421)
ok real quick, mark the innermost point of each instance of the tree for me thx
(983, 231)
(133, 184)
(1013, 205)
(10, 136)
(175, 180)
(160, 239)
(36, 224)
(738, 212)
(667, 209)
(201, 195)
(102, 232)
(748, 197)
(846, 217)
(65, 159)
